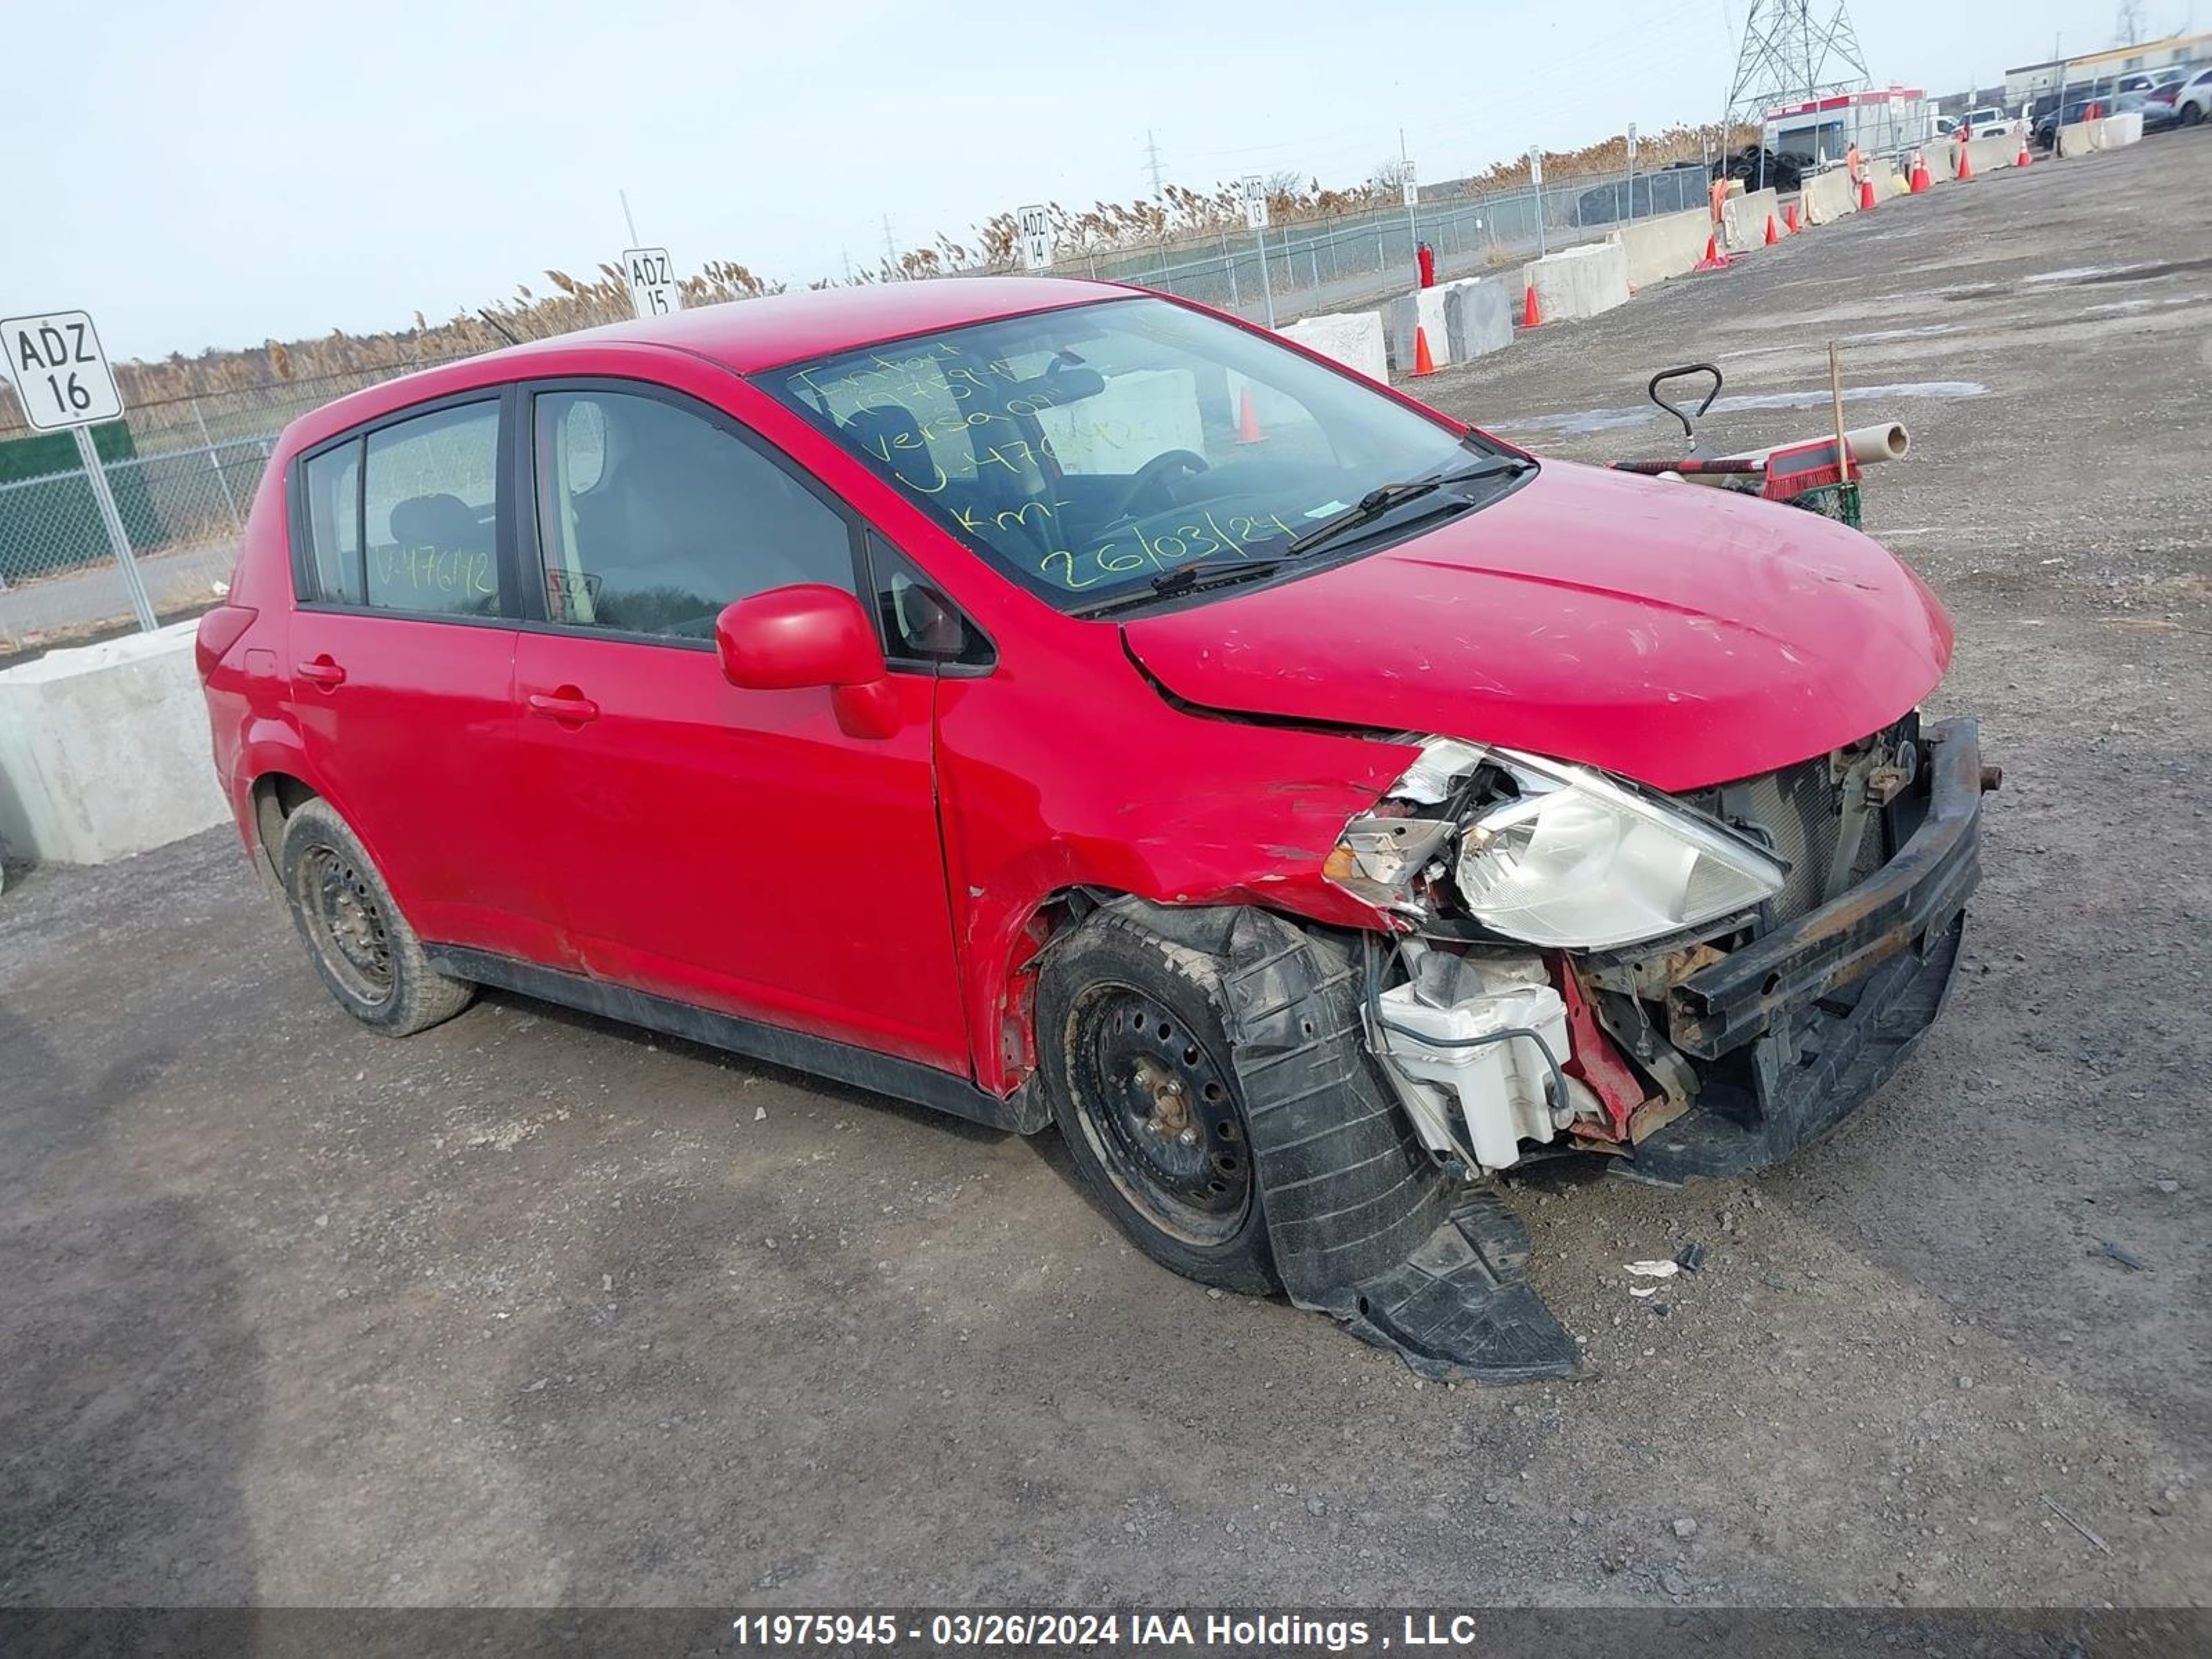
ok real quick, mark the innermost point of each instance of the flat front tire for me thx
(1133, 1043)
(367, 956)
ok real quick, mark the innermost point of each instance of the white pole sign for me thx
(1535, 165)
(1035, 224)
(1632, 144)
(1255, 201)
(1412, 191)
(652, 290)
(63, 379)
(1255, 191)
(60, 372)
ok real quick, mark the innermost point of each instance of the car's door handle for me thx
(567, 704)
(322, 672)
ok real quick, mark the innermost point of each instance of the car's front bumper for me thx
(1789, 1032)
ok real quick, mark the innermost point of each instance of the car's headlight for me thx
(1575, 859)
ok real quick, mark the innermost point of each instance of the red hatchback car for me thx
(1056, 703)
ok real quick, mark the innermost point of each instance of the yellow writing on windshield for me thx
(1206, 537)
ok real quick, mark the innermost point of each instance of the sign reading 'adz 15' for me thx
(59, 370)
(652, 290)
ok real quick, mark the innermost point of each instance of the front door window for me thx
(652, 519)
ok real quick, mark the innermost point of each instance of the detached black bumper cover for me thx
(1797, 1028)
(1362, 1224)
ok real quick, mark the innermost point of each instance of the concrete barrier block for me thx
(1353, 338)
(1478, 317)
(1828, 196)
(1665, 246)
(1988, 153)
(1423, 308)
(104, 750)
(1743, 219)
(1942, 160)
(2079, 137)
(2124, 129)
(1579, 282)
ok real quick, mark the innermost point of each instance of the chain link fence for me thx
(1315, 263)
(182, 512)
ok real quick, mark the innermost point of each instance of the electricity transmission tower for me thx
(1793, 49)
(1152, 162)
(2128, 25)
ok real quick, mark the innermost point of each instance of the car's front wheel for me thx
(1135, 1056)
(367, 956)
(2191, 115)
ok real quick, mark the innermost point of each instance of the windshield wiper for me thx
(1377, 502)
(1210, 573)
(1192, 578)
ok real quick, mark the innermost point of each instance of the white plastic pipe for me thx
(1869, 444)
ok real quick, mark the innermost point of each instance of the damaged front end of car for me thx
(1689, 985)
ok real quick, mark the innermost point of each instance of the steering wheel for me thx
(1150, 475)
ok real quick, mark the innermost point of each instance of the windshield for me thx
(1088, 451)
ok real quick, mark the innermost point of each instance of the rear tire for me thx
(2191, 115)
(1133, 1049)
(368, 956)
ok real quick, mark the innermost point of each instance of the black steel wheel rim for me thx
(1157, 1109)
(345, 923)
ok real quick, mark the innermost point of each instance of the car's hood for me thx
(1674, 633)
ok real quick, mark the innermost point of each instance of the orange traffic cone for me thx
(1531, 316)
(1247, 420)
(1866, 195)
(2023, 159)
(1423, 363)
(1712, 246)
(1790, 219)
(1965, 169)
(1920, 182)
(1772, 236)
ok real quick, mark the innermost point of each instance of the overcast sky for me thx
(216, 173)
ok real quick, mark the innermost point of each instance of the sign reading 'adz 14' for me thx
(59, 370)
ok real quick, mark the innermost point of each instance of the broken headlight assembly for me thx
(1546, 852)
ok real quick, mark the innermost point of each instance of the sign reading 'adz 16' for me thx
(59, 370)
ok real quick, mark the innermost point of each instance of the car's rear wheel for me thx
(1135, 1057)
(2191, 115)
(366, 954)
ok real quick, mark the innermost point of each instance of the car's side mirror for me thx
(789, 638)
(810, 634)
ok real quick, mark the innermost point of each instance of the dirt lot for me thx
(530, 1308)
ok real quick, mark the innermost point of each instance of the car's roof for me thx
(743, 335)
(747, 335)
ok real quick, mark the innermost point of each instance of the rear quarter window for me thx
(333, 572)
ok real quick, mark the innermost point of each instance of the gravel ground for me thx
(530, 1308)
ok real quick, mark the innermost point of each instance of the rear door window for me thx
(430, 513)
